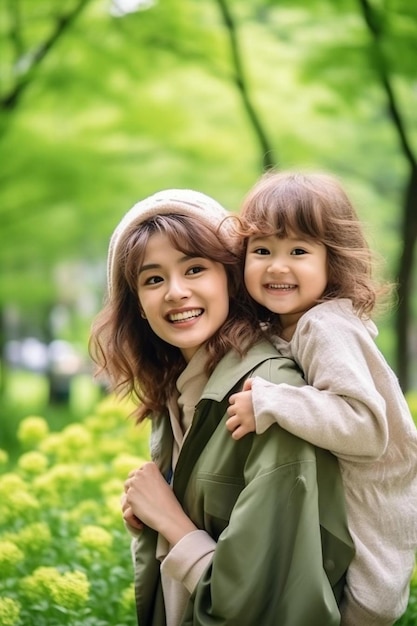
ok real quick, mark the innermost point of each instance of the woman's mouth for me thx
(184, 316)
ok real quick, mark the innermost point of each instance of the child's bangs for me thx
(285, 220)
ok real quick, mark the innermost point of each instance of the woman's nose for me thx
(177, 290)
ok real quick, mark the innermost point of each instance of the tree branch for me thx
(63, 22)
(266, 148)
(15, 29)
(376, 29)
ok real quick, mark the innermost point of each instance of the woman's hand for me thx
(152, 501)
(128, 515)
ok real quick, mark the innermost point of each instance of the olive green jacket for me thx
(273, 503)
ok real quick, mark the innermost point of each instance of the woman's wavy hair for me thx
(133, 359)
(315, 206)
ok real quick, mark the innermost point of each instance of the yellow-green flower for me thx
(114, 410)
(76, 437)
(73, 443)
(10, 556)
(33, 462)
(34, 538)
(101, 425)
(71, 590)
(32, 430)
(9, 611)
(18, 504)
(95, 538)
(125, 463)
(84, 511)
(114, 486)
(112, 513)
(95, 472)
(52, 444)
(109, 447)
(10, 482)
(60, 481)
(37, 586)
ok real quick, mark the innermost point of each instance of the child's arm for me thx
(342, 408)
(241, 414)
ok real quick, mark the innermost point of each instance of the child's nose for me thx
(278, 264)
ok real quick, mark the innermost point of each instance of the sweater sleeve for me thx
(340, 408)
(188, 559)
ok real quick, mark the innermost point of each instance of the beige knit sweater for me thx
(353, 406)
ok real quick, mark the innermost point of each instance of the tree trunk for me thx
(405, 276)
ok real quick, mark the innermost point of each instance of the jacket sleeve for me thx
(268, 564)
(340, 409)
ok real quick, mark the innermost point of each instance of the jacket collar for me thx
(232, 368)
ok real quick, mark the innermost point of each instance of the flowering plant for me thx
(64, 551)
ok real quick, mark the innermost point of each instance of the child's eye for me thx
(261, 251)
(298, 251)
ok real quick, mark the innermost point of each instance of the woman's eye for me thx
(196, 269)
(153, 280)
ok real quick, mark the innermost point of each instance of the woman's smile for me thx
(185, 315)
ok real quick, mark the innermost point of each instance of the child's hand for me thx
(241, 415)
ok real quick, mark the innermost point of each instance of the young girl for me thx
(308, 267)
(212, 546)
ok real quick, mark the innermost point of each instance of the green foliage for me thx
(64, 551)
(120, 107)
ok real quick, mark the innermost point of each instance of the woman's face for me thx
(185, 299)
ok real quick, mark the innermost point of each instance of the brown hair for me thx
(134, 359)
(316, 206)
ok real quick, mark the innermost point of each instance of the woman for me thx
(248, 532)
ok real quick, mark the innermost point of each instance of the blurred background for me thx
(104, 102)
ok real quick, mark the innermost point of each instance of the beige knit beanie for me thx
(175, 201)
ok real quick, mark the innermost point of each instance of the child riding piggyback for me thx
(309, 270)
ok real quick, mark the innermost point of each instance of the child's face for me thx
(287, 276)
(185, 299)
